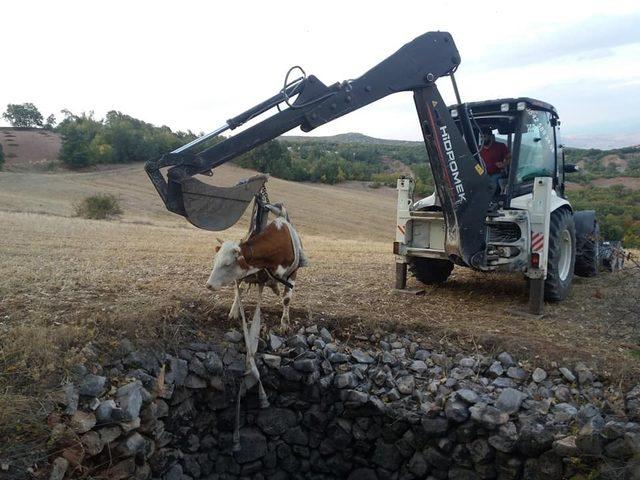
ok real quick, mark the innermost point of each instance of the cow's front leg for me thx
(286, 301)
(234, 313)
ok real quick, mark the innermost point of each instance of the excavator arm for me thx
(459, 174)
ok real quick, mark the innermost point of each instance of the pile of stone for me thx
(386, 407)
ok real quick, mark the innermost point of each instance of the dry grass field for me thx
(67, 283)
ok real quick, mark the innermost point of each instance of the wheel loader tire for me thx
(430, 271)
(588, 253)
(562, 256)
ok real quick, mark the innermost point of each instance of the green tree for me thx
(23, 115)
(50, 124)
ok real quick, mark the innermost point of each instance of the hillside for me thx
(29, 149)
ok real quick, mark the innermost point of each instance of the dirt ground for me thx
(68, 282)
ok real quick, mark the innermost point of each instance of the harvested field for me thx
(67, 282)
(29, 149)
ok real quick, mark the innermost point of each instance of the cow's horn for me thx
(220, 241)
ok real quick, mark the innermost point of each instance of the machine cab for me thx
(530, 130)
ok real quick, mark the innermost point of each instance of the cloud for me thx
(592, 38)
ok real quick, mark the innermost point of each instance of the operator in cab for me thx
(496, 157)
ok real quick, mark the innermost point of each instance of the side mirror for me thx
(570, 168)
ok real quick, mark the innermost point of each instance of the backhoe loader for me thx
(527, 225)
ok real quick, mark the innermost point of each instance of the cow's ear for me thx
(236, 250)
(217, 248)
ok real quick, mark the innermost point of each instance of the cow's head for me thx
(228, 266)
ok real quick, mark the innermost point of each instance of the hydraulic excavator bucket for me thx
(218, 208)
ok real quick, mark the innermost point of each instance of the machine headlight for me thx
(454, 113)
(504, 107)
(520, 106)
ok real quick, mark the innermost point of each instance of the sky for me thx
(193, 64)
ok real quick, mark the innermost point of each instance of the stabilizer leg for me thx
(536, 296)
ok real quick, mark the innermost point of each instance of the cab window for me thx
(537, 152)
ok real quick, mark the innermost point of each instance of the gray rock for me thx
(298, 341)
(354, 396)
(345, 380)
(104, 411)
(488, 416)
(272, 361)
(467, 362)
(195, 382)
(389, 358)
(129, 398)
(58, 468)
(503, 382)
(70, 399)
(338, 357)
(589, 440)
(567, 374)
(480, 451)
(506, 359)
(566, 446)
(517, 373)
(418, 366)
(437, 459)
(406, 384)
(177, 372)
(456, 473)
(562, 393)
(197, 367)
(92, 385)
(468, 395)
(234, 336)
(620, 448)
(131, 445)
(362, 357)
(296, 436)
(109, 434)
(564, 412)
(613, 430)
(276, 421)
(539, 375)
(418, 465)
(587, 412)
(422, 355)
(307, 365)
(510, 400)
(435, 427)
(496, 369)
(456, 411)
(325, 335)
(387, 456)
(253, 445)
(275, 342)
(506, 439)
(534, 439)
(585, 376)
(363, 474)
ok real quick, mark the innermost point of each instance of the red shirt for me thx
(495, 153)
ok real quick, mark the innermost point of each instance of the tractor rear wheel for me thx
(430, 271)
(588, 253)
(562, 255)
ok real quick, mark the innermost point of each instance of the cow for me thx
(275, 251)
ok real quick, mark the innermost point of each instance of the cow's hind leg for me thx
(286, 301)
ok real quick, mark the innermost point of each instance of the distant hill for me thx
(351, 137)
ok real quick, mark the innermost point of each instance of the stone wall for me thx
(385, 408)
